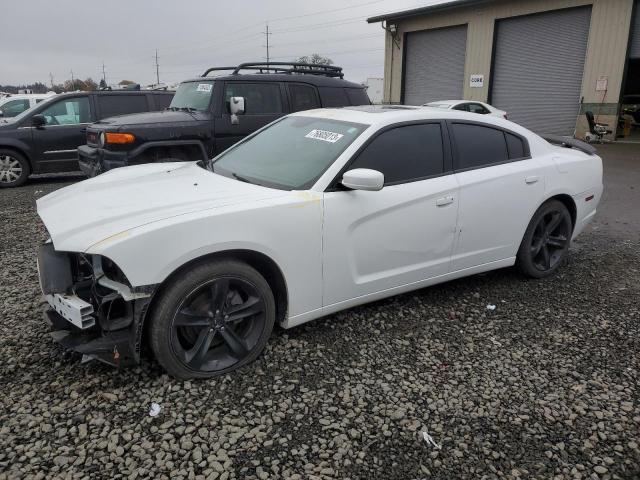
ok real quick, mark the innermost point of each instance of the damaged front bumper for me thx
(92, 309)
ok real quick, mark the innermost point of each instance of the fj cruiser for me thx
(203, 118)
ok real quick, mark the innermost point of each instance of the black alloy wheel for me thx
(221, 322)
(546, 241)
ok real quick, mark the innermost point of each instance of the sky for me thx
(43, 37)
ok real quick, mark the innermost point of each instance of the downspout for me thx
(392, 30)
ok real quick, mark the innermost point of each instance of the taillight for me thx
(119, 138)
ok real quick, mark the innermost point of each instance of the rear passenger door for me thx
(263, 102)
(501, 186)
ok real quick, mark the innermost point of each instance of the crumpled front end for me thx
(92, 308)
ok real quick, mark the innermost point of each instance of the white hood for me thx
(83, 214)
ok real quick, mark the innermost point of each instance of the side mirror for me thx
(236, 107)
(363, 179)
(38, 121)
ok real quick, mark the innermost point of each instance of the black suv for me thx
(209, 114)
(45, 138)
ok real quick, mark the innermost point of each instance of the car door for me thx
(378, 240)
(501, 186)
(56, 143)
(264, 103)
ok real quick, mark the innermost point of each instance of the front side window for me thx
(68, 112)
(193, 96)
(478, 146)
(405, 153)
(259, 98)
(303, 97)
(14, 107)
(291, 154)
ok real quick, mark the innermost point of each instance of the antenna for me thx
(157, 69)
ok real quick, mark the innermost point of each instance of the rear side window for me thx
(515, 146)
(259, 98)
(333, 97)
(478, 146)
(404, 154)
(112, 105)
(162, 100)
(357, 96)
(303, 97)
(477, 108)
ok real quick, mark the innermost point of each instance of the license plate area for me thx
(73, 309)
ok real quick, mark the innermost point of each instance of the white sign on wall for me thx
(602, 83)
(476, 81)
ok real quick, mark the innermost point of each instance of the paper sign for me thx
(204, 87)
(476, 81)
(602, 83)
(324, 135)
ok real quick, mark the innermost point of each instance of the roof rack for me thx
(284, 67)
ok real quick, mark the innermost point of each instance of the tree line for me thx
(85, 85)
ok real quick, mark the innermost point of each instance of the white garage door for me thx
(538, 67)
(434, 65)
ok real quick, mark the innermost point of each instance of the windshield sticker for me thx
(204, 87)
(324, 135)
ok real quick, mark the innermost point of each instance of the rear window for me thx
(112, 105)
(357, 96)
(478, 146)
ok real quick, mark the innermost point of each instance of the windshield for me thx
(291, 154)
(192, 96)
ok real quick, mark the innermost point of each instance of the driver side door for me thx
(57, 142)
(376, 241)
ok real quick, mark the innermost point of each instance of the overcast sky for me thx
(39, 37)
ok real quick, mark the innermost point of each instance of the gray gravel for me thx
(544, 386)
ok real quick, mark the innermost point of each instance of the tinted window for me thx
(303, 97)
(14, 107)
(477, 108)
(462, 107)
(333, 97)
(162, 100)
(357, 96)
(111, 105)
(68, 112)
(478, 146)
(515, 145)
(405, 153)
(259, 98)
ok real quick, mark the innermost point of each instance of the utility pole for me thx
(104, 75)
(267, 34)
(73, 82)
(51, 78)
(157, 69)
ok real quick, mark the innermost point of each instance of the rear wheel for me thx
(212, 320)
(546, 241)
(14, 169)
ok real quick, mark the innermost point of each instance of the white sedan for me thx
(317, 212)
(470, 106)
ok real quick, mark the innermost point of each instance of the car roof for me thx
(317, 80)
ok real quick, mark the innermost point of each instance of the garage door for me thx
(434, 65)
(538, 66)
(634, 48)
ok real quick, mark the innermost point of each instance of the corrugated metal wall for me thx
(538, 68)
(634, 48)
(434, 65)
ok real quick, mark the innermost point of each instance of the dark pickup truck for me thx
(208, 114)
(45, 138)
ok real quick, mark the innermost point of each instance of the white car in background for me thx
(317, 212)
(469, 106)
(14, 105)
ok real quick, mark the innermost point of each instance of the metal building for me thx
(546, 62)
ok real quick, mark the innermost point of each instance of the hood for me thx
(153, 118)
(87, 212)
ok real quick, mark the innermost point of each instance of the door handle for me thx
(442, 201)
(532, 179)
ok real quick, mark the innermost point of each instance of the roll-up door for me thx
(538, 66)
(634, 48)
(434, 65)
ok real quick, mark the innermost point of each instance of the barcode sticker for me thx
(204, 87)
(324, 135)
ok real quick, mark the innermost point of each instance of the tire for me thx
(212, 319)
(14, 169)
(546, 241)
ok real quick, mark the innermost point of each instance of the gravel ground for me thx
(544, 386)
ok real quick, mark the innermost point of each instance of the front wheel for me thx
(212, 319)
(546, 240)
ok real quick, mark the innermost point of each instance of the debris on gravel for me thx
(546, 385)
